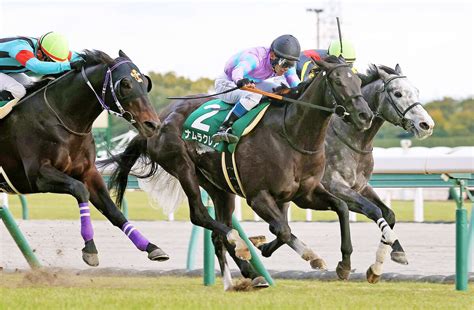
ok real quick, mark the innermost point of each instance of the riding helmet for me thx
(55, 46)
(286, 46)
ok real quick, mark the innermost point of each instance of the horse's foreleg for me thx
(320, 199)
(360, 204)
(100, 198)
(52, 180)
(274, 214)
(398, 254)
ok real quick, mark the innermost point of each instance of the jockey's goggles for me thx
(285, 63)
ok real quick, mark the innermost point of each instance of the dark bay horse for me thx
(46, 144)
(392, 98)
(282, 160)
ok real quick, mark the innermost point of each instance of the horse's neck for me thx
(362, 140)
(74, 101)
(308, 125)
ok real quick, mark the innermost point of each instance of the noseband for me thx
(108, 81)
(401, 114)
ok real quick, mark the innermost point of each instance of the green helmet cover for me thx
(348, 50)
(55, 46)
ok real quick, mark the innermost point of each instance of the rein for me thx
(400, 113)
(206, 96)
(338, 109)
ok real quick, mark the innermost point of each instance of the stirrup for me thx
(7, 108)
(225, 136)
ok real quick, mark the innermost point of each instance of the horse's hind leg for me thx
(182, 167)
(52, 180)
(100, 198)
(320, 199)
(398, 254)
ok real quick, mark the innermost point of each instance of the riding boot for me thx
(225, 130)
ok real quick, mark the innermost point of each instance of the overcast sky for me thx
(431, 40)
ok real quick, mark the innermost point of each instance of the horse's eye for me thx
(338, 82)
(398, 94)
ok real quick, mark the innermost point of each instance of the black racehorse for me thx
(46, 144)
(282, 160)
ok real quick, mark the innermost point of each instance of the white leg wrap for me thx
(387, 233)
(382, 251)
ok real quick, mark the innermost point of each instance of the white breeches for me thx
(14, 84)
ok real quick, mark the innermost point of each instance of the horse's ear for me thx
(122, 54)
(398, 69)
(383, 75)
(372, 68)
(149, 84)
(322, 64)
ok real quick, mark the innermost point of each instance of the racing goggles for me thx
(283, 63)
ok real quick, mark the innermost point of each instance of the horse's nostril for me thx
(424, 126)
(365, 116)
(152, 125)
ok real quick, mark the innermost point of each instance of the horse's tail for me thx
(164, 190)
(124, 163)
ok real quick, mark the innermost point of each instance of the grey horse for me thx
(350, 162)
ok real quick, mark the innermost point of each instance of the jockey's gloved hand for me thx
(281, 89)
(244, 82)
(77, 65)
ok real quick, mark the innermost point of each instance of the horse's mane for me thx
(92, 57)
(372, 74)
(95, 57)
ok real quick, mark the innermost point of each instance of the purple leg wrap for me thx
(137, 238)
(86, 226)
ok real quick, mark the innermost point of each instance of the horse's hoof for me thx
(343, 272)
(371, 276)
(158, 255)
(260, 282)
(399, 257)
(258, 241)
(91, 259)
(319, 264)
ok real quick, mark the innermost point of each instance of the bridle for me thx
(108, 81)
(403, 120)
(339, 108)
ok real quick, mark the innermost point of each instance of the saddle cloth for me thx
(206, 120)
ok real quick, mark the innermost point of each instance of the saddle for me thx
(7, 102)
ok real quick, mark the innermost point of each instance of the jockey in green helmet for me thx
(347, 50)
(48, 54)
(305, 64)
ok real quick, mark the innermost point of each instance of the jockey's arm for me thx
(291, 77)
(246, 64)
(26, 57)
